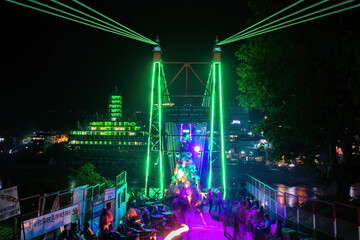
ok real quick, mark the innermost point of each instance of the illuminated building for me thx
(109, 135)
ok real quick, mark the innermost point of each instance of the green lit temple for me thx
(109, 135)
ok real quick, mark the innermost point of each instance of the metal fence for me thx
(317, 218)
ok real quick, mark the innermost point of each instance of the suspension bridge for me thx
(195, 120)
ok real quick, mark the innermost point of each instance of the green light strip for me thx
(277, 20)
(160, 133)
(282, 10)
(93, 10)
(222, 132)
(212, 125)
(150, 123)
(97, 19)
(280, 25)
(64, 17)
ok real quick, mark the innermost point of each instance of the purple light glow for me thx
(181, 131)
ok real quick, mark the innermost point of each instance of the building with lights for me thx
(110, 135)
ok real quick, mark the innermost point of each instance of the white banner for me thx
(110, 193)
(9, 203)
(46, 223)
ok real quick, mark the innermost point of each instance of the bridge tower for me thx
(162, 133)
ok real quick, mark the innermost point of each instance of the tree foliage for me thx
(86, 174)
(307, 78)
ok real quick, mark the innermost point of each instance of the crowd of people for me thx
(245, 213)
(105, 224)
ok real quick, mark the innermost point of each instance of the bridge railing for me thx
(317, 218)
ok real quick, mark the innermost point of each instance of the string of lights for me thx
(75, 18)
(288, 23)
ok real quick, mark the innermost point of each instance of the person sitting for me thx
(73, 232)
(88, 233)
(276, 231)
(63, 235)
(256, 206)
(263, 229)
(257, 217)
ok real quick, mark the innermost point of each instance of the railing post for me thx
(358, 211)
(276, 206)
(334, 216)
(297, 212)
(314, 219)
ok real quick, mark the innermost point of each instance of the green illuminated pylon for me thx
(155, 138)
(217, 151)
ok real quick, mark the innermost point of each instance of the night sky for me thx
(56, 67)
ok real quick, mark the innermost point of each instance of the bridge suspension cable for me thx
(260, 30)
(98, 23)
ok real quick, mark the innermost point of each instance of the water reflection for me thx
(290, 195)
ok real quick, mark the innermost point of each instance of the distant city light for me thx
(236, 122)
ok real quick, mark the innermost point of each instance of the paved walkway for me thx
(203, 225)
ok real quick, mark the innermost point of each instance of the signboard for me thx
(110, 193)
(186, 114)
(97, 207)
(40, 225)
(9, 203)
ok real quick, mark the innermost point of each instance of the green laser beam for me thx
(97, 19)
(104, 16)
(64, 17)
(277, 20)
(150, 123)
(292, 24)
(282, 10)
(84, 19)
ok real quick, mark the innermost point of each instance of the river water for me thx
(304, 192)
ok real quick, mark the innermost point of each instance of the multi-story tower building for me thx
(110, 135)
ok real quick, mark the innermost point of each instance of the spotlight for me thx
(197, 149)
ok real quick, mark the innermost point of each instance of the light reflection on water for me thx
(304, 193)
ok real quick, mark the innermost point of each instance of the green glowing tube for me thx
(97, 19)
(91, 9)
(282, 10)
(281, 25)
(277, 20)
(64, 17)
(212, 125)
(160, 133)
(150, 123)
(222, 133)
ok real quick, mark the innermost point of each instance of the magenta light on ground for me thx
(197, 149)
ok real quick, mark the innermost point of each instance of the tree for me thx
(86, 174)
(307, 78)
